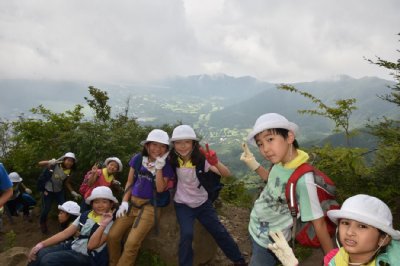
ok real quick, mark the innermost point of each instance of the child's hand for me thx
(282, 250)
(95, 167)
(248, 158)
(52, 162)
(34, 251)
(28, 190)
(123, 209)
(106, 218)
(210, 155)
(160, 161)
(76, 196)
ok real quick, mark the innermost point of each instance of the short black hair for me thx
(281, 132)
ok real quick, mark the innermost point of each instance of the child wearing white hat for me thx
(96, 177)
(79, 252)
(52, 182)
(192, 200)
(68, 212)
(275, 138)
(149, 172)
(365, 229)
(17, 198)
(365, 236)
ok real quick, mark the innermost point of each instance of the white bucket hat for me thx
(101, 192)
(271, 121)
(157, 135)
(183, 132)
(15, 177)
(369, 210)
(115, 159)
(68, 155)
(70, 207)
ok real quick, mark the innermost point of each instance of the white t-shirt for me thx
(188, 189)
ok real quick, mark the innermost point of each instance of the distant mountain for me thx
(365, 90)
(220, 107)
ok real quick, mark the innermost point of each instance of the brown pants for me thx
(135, 237)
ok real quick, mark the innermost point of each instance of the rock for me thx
(165, 244)
(16, 256)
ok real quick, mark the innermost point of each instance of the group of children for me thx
(365, 231)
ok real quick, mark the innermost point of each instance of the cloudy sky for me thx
(130, 41)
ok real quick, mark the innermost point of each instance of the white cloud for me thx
(278, 41)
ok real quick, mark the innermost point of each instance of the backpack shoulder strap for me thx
(136, 167)
(290, 189)
(138, 162)
(200, 167)
(83, 218)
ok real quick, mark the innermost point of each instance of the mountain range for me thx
(220, 107)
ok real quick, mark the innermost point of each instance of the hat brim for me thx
(91, 198)
(61, 208)
(335, 215)
(260, 128)
(183, 138)
(143, 142)
(62, 158)
(19, 179)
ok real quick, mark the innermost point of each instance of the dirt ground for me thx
(27, 234)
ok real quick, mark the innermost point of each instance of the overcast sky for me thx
(131, 41)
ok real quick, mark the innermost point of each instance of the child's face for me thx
(155, 149)
(62, 217)
(68, 163)
(101, 206)
(183, 147)
(273, 147)
(358, 239)
(112, 167)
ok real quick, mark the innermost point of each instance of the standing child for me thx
(275, 138)
(191, 199)
(91, 240)
(148, 172)
(6, 191)
(99, 177)
(17, 199)
(52, 188)
(6, 186)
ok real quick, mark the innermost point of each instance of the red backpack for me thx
(304, 232)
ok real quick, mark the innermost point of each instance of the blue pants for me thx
(207, 216)
(60, 255)
(261, 256)
(47, 200)
(13, 205)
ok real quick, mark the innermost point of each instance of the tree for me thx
(386, 167)
(339, 114)
(394, 68)
(99, 104)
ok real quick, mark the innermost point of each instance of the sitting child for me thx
(17, 198)
(89, 241)
(68, 213)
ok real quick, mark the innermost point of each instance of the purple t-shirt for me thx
(143, 186)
